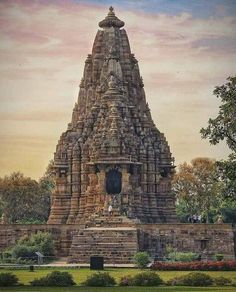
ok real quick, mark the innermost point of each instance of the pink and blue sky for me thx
(184, 47)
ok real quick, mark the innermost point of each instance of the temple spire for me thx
(111, 20)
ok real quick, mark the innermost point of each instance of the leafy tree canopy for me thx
(197, 188)
(223, 127)
(24, 200)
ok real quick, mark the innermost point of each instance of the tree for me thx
(141, 259)
(223, 127)
(196, 187)
(24, 200)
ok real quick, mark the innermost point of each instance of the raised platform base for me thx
(118, 243)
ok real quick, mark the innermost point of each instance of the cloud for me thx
(43, 48)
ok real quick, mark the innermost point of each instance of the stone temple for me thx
(112, 153)
(113, 171)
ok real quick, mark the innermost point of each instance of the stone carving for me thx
(112, 128)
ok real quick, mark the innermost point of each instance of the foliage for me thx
(146, 279)
(219, 257)
(229, 214)
(182, 210)
(42, 241)
(196, 186)
(8, 279)
(222, 281)
(99, 280)
(126, 281)
(195, 266)
(223, 127)
(182, 256)
(141, 279)
(227, 173)
(55, 278)
(24, 250)
(192, 279)
(24, 199)
(141, 259)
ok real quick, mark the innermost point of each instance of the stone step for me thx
(117, 245)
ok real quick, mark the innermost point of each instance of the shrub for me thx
(23, 251)
(8, 279)
(126, 281)
(177, 281)
(192, 279)
(42, 241)
(146, 279)
(219, 257)
(222, 281)
(195, 266)
(99, 280)
(141, 259)
(182, 256)
(55, 278)
(7, 256)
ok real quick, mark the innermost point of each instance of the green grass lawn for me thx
(79, 275)
(118, 289)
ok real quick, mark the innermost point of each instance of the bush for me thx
(126, 281)
(99, 280)
(219, 257)
(182, 256)
(147, 279)
(222, 281)
(55, 278)
(42, 241)
(8, 279)
(141, 279)
(7, 256)
(192, 279)
(23, 251)
(195, 266)
(141, 259)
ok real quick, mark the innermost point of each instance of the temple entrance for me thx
(113, 181)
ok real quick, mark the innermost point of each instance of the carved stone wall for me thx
(112, 128)
(206, 239)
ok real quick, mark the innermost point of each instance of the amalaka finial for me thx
(111, 20)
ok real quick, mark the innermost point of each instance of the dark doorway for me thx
(113, 181)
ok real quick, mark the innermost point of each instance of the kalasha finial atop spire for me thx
(111, 20)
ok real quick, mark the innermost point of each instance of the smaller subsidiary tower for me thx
(112, 154)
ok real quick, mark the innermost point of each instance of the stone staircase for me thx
(116, 244)
(96, 220)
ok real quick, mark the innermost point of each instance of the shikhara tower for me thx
(112, 153)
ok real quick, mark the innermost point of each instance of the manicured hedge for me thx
(8, 279)
(195, 266)
(141, 279)
(192, 279)
(54, 279)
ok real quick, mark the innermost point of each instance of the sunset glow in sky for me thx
(184, 48)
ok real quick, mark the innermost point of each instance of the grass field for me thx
(79, 275)
(119, 289)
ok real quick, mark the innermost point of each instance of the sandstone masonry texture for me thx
(112, 153)
(112, 156)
